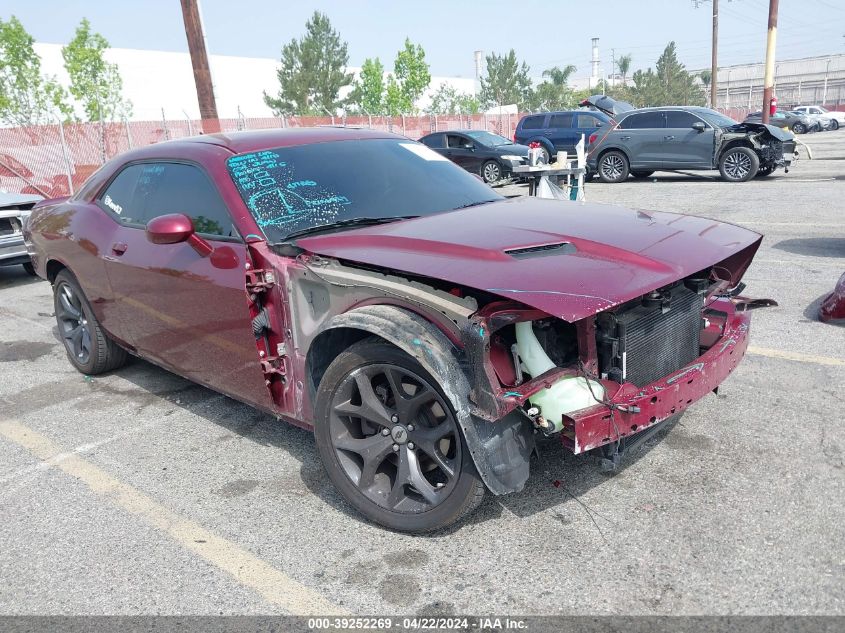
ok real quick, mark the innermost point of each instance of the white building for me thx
(156, 80)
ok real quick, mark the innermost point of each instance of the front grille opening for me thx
(651, 338)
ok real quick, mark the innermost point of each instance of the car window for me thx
(560, 120)
(288, 189)
(678, 119)
(588, 121)
(533, 122)
(643, 120)
(433, 140)
(118, 196)
(458, 142)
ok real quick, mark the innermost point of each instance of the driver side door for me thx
(461, 150)
(180, 309)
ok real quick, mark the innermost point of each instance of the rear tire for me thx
(834, 124)
(400, 460)
(545, 156)
(30, 269)
(739, 164)
(89, 349)
(613, 167)
(641, 174)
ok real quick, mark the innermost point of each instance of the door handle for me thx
(624, 138)
(668, 138)
(118, 248)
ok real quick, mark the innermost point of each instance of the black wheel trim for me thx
(612, 166)
(492, 172)
(73, 324)
(737, 165)
(389, 446)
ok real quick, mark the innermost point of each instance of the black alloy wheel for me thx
(390, 441)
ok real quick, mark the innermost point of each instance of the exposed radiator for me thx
(651, 340)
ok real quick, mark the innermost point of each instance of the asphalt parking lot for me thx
(140, 493)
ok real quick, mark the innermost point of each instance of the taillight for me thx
(593, 138)
(514, 137)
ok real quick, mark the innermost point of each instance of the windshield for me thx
(716, 118)
(488, 138)
(290, 189)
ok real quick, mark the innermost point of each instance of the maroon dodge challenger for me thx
(427, 329)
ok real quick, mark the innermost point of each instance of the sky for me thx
(544, 34)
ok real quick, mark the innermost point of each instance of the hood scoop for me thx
(542, 250)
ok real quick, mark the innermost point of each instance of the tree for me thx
(624, 66)
(368, 90)
(447, 100)
(26, 96)
(313, 70)
(409, 80)
(555, 94)
(668, 84)
(94, 81)
(506, 82)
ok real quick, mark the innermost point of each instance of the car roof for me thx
(669, 109)
(256, 140)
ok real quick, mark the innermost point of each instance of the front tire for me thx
(390, 441)
(799, 128)
(491, 172)
(613, 167)
(739, 164)
(30, 269)
(834, 124)
(89, 348)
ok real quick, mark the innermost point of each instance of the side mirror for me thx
(175, 228)
(698, 126)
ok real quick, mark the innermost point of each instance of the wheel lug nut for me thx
(385, 432)
(394, 418)
(411, 445)
(396, 447)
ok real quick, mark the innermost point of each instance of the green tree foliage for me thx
(555, 93)
(26, 96)
(95, 82)
(447, 100)
(368, 90)
(624, 66)
(409, 80)
(313, 70)
(668, 84)
(506, 82)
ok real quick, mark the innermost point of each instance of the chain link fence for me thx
(55, 160)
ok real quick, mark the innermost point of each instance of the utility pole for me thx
(771, 38)
(199, 61)
(714, 57)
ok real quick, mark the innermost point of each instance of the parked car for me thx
(558, 131)
(489, 155)
(822, 123)
(832, 309)
(14, 210)
(837, 117)
(642, 141)
(797, 123)
(355, 282)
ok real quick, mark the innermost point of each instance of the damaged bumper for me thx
(636, 409)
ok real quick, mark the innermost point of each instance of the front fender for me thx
(500, 449)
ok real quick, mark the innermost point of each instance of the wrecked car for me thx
(14, 209)
(359, 284)
(642, 141)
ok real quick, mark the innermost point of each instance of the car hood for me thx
(570, 260)
(608, 105)
(513, 148)
(750, 124)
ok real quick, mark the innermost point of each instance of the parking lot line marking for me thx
(797, 356)
(246, 568)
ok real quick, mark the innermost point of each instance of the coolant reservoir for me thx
(565, 395)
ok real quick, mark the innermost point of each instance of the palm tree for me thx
(559, 76)
(705, 76)
(624, 65)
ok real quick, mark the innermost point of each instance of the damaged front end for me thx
(774, 147)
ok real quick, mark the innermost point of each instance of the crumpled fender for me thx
(500, 449)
